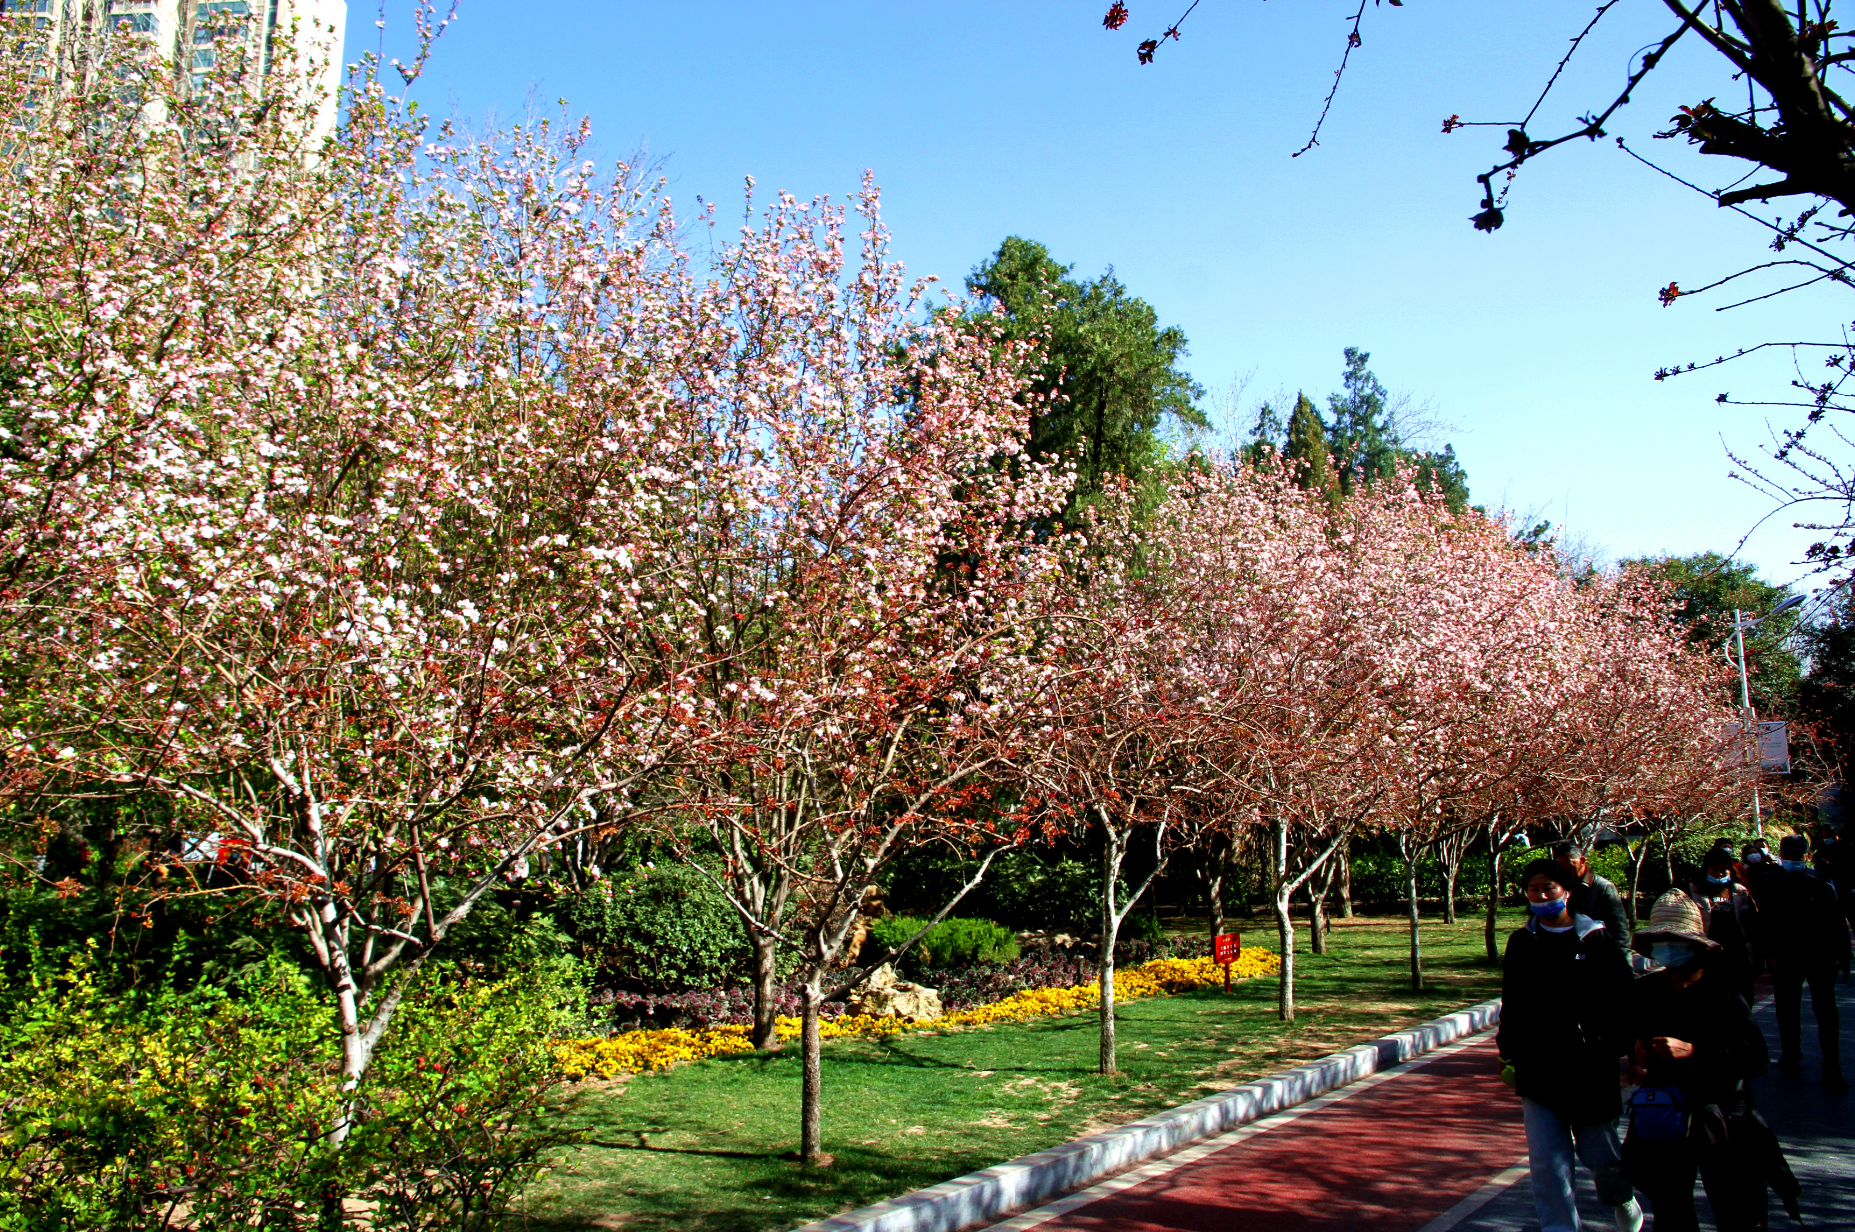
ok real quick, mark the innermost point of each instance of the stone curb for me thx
(1031, 1180)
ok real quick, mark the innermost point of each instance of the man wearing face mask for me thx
(1804, 939)
(1693, 1047)
(1755, 857)
(1595, 896)
(1728, 917)
(1563, 985)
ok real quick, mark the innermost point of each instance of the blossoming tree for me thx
(850, 589)
(324, 481)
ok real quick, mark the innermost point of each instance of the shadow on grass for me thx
(680, 1150)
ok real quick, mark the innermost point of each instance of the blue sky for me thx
(1535, 345)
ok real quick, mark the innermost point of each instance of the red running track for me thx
(1391, 1157)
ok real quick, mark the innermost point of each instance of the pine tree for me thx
(1307, 448)
(1362, 437)
(1114, 370)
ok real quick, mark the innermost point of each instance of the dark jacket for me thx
(1709, 1014)
(1800, 921)
(1832, 865)
(1733, 922)
(1563, 997)
(1597, 897)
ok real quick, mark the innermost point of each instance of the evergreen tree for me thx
(1114, 371)
(1361, 436)
(1441, 472)
(1307, 448)
(1706, 588)
(1826, 695)
(1361, 440)
(1265, 435)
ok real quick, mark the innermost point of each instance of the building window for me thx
(217, 18)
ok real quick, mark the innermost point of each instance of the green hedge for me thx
(658, 929)
(953, 943)
(112, 1114)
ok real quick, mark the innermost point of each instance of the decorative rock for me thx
(883, 995)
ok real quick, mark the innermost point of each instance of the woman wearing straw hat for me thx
(1694, 1045)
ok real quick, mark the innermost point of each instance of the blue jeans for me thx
(1550, 1143)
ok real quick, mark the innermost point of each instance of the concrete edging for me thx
(1031, 1180)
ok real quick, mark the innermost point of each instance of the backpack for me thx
(1659, 1113)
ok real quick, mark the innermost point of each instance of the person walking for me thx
(1693, 1046)
(1804, 940)
(1595, 897)
(1561, 1043)
(1831, 864)
(1728, 916)
(1756, 859)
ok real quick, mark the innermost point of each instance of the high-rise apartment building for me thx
(195, 33)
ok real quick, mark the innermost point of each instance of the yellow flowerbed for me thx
(658, 1049)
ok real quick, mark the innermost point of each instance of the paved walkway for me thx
(1434, 1145)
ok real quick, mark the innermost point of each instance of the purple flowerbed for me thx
(622, 1010)
(1042, 965)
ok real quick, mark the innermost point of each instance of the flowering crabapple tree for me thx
(852, 567)
(1651, 743)
(1482, 644)
(1125, 710)
(326, 474)
(1255, 677)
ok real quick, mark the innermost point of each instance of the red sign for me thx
(1227, 947)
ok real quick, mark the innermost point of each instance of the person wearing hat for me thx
(1693, 1047)
(1561, 1043)
(1728, 916)
(1595, 896)
(1804, 939)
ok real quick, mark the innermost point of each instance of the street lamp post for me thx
(1746, 717)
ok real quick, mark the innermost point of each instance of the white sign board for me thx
(1774, 745)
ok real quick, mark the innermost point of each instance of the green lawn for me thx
(708, 1147)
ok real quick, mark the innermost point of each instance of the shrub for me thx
(661, 929)
(452, 1112)
(217, 1105)
(1022, 889)
(1062, 896)
(1141, 926)
(952, 944)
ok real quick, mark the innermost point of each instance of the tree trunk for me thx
(1346, 879)
(1638, 858)
(1410, 876)
(1668, 858)
(766, 953)
(1284, 923)
(1285, 942)
(1214, 889)
(811, 1097)
(1110, 929)
(1494, 899)
(1319, 886)
(1450, 869)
